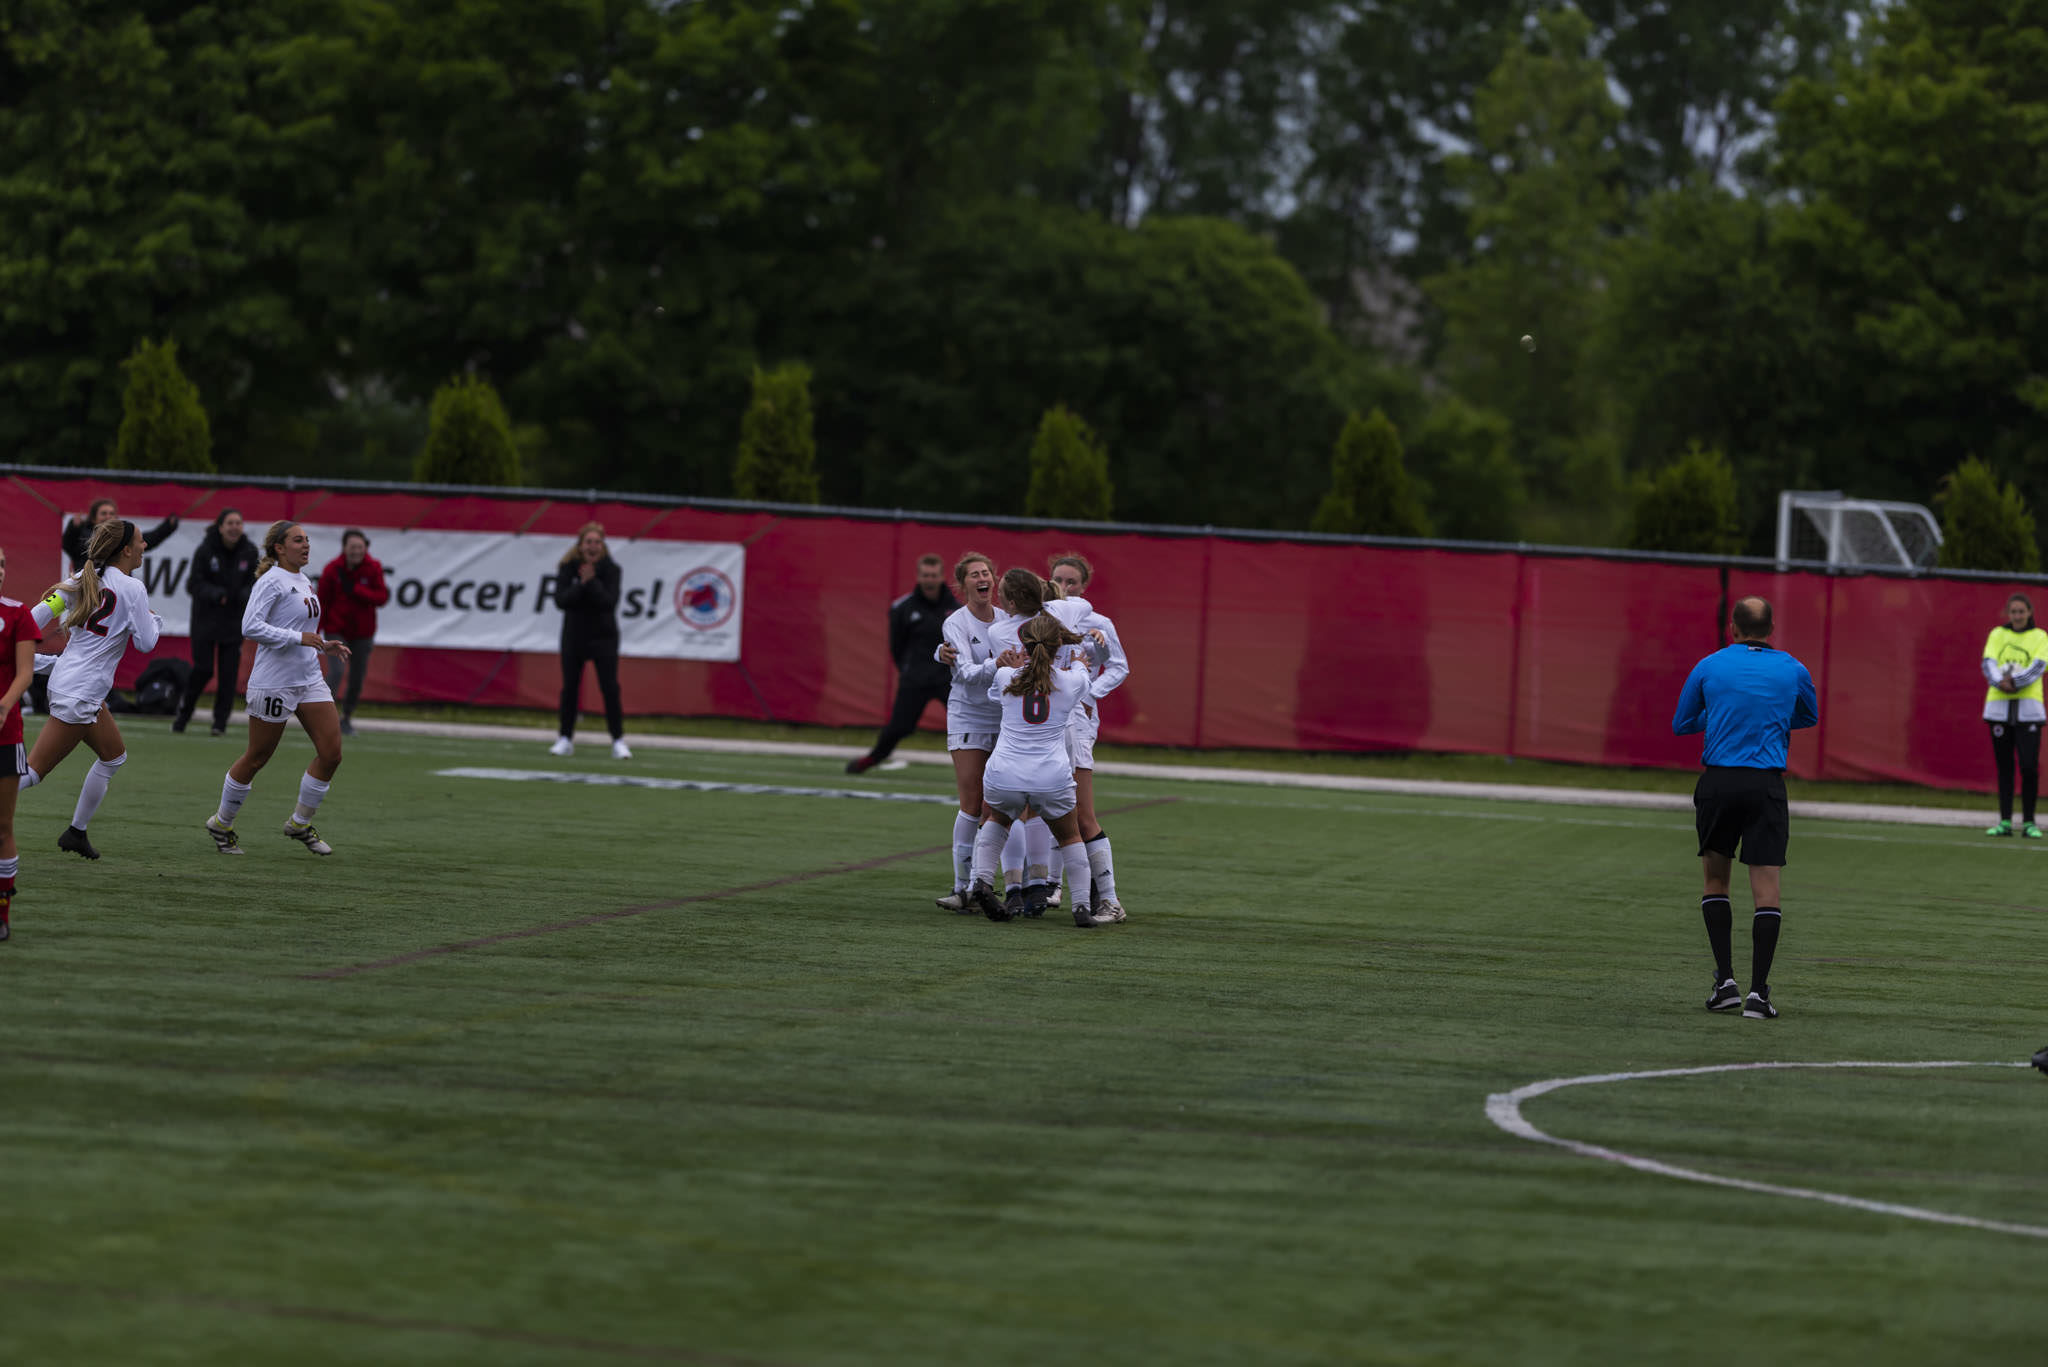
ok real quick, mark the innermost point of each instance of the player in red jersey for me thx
(18, 637)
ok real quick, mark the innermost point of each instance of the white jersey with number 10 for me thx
(282, 605)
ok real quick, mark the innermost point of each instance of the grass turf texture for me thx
(823, 1123)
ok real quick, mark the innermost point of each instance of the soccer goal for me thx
(1832, 528)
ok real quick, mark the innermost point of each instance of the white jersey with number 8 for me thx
(1032, 748)
(282, 605)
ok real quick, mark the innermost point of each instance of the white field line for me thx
(688, 785)
(1184, 773)
(1505, 1110)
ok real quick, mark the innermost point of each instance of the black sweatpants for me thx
(603, 652)
(357, 665)
(2017, 741)
(911, 699)
(212, 655)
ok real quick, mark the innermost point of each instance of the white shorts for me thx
(1082, 730)
(1011, 802)
(970, 740)
(280, 705)
(77, 711)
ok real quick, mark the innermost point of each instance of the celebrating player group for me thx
(1031, 661)
(105, 608)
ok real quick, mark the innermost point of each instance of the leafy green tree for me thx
(778, 454)
(1544, 186)
(1370, 492)
(1689, 505)
(163, 424)
(1468, 480)
(1069, 470)
(1985, 524)
(469, 438)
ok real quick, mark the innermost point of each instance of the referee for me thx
(1748, 697)
(916, 630)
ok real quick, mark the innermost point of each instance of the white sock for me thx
(1102, 867)
(29, 779)
(1013, 855)
(988, 849)
(1037, 851)
(232, 796)
(965, 829)
(1074, 860)
(9, 867)
(311, 790)
(93, 791)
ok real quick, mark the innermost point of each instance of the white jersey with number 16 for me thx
(282, 605)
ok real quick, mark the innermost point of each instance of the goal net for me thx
(1831, 529)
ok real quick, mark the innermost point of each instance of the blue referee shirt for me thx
(1749, 698)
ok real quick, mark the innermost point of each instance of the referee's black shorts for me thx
(1733, 805)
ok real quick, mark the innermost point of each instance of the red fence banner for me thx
(1242, 641)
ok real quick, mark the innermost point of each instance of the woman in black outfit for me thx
(587, 591)
(223, 568)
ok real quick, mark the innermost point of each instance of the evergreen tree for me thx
(1370, 492)
(469, 438)
(1069, 470)
(778, 455)
(1985, 525)
(163, 424)
(1689, 505)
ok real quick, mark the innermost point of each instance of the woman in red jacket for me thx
(351, 590)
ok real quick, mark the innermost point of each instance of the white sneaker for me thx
(1052, 899)
(619, 750)
(563, 746)
(1108, 912)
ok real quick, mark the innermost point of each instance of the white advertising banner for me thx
(496, 590)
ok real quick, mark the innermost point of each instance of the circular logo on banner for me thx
(705, 599)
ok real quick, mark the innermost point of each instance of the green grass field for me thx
(536, 1073)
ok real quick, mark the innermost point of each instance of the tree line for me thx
(1563, 254)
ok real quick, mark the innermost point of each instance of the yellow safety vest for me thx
(2017, 649)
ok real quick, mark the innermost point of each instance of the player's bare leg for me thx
(110, 752)
(234, 789)
(10, 855)
(322, 722)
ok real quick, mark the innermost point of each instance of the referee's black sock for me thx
(1763, 943)
(1720, 919)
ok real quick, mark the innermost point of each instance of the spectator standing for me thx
(917, 624)
(2015, 656)
(587, 591)
(352, 588)
(79, 530)
(222, 570)
(1748, 697)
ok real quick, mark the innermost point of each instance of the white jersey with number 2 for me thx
(1031, 751)
(94, 649)
(282, 605)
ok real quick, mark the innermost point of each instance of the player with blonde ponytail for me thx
(106, 609)
(283, 618)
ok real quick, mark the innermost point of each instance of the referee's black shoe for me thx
(1727, 996)
(1758, 1006)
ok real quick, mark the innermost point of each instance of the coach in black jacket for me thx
(916, 621)
(223, 571)
(587, 591)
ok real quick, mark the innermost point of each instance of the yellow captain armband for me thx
(55, 602)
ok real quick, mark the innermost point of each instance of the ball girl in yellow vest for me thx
(2015, 657)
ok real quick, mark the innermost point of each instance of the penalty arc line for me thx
(625, 913)
(1505, 1110)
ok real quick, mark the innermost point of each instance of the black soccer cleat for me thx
(991, 906)
(1013, 903)
(1726, 996)
(2041, 1059)
(1757, 1006)
(1034, 901)
(73, 840)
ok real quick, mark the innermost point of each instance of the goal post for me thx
(1828, 527)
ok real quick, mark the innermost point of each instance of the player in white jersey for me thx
(1072, 574)
(1028, 875)
(1029, 772)
(972, 719)
(283, 619)
(106, 610)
